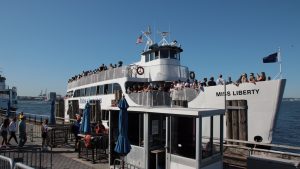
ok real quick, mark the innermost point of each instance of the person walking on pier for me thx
(12, 130)
(44, 134)
(22, 132)
(4, 132)
(75, 130)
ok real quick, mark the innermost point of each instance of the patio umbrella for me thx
(123, 146)
(86, 125)
(52, 113)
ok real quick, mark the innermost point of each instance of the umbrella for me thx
(85, 126)
(52, 114)
(123, 146)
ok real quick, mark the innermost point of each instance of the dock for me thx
(63, 157)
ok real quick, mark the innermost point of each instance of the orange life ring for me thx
(140, 70)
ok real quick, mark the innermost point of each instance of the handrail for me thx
(7, 160)
(256, 143)
(19, 165)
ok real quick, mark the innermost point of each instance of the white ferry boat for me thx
(7, 96)
(149, 83)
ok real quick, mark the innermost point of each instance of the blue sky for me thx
(44, 43)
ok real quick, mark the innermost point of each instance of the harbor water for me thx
(286, 131)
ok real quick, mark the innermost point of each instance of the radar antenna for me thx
(147, 34)
(164, 41)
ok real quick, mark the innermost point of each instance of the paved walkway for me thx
(65, 157)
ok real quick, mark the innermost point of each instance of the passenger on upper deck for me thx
(204, 83)
(220, 80)
(211, 82)
(261, 77)
(244, 78)
(229, 80)
(252, 78)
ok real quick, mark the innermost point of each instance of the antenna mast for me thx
(149, 42)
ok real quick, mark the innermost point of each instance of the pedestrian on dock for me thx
(22, 132)
(4, 132)
(75, 130)
(12, 130)
(44, 130)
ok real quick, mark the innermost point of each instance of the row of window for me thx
(98, 90)
(162, 54)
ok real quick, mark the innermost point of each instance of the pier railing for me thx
(29, 156)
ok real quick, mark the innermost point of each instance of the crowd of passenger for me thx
(194, 84)
(101, 68)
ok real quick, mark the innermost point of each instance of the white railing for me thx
(22, 166)
(6, 163)
(178, 72)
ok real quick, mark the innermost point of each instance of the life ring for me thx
(140, 70)
(192, 75)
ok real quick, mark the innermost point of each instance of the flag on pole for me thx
(139, 39)
(272, 58)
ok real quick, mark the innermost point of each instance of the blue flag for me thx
(271, 58)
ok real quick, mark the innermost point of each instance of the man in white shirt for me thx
(220, 80)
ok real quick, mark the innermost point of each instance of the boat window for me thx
(157, 131)
(116, 87)
(82, 92)
(156, 54)
(147, 57)
(76, 93)
(108, 89)
(93, 91)
(136, 129)
(173, 54)
(101, 90)
(178, 56)
(164, 54)
(183, 136)
(87, 91)
(152, 56)
(209, 149)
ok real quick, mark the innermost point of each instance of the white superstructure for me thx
(158, 68)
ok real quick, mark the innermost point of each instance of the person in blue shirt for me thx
(75, 130)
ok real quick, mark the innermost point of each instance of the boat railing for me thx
(187, 94)
(179, 72)
(109, 74)
(162, 98)
(151, 98)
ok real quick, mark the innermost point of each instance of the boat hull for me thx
(263, 103)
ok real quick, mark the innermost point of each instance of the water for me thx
(286, 132)
(34, 107)
(287, 129)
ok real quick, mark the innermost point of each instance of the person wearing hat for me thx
(22, 131)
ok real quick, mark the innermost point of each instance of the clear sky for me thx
(44, 43)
